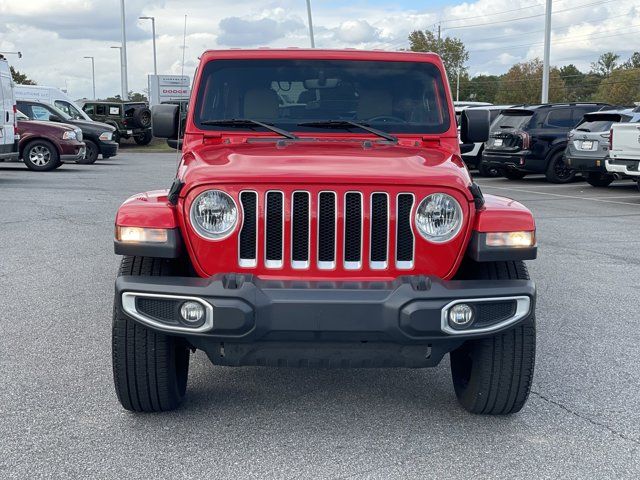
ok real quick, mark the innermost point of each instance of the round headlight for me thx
(439, 218)
(214, 214)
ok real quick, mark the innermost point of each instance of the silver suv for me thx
(588, 145)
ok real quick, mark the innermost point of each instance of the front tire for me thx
(41, 156)
(493, 375)
(558, 171)
(91, 155)
(150, 369)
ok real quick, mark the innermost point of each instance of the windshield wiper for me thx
(583, 129)
(247, 122)
(346, 124)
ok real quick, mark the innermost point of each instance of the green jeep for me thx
(130, 119)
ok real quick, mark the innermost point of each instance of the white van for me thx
(8, 134)
(51, 96)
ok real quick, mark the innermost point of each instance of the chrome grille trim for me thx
(301, 264)
(273, 263)
(324, 264)
(378, 264)
(248, 262)
(357, 264)
(292, 206)
(405, 264)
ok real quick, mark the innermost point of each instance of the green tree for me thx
(622, 87)
(523, 84)
(481, 88)
(133, 97)
(606, 63)
(452, 50)
(21, 78)
(633, 62)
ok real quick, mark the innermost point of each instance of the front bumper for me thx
(72, 151)
(623, 167)
(248, 315)
(108, 148)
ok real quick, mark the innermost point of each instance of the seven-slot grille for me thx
(328, 229)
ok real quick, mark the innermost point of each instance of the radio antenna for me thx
(180, 102)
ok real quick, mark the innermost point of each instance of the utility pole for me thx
(93, 75)
(313, 42)
(547, 53)
(458, 85)
(439, 36)
(153, 32)
(123, 56)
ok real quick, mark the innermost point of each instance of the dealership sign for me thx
(165, 88)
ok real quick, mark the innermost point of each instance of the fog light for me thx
(460, 316)
(192, 312)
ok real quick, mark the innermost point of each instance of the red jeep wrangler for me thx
(321, 216)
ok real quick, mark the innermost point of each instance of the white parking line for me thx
(593, 199)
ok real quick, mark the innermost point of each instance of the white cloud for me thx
(54, 35)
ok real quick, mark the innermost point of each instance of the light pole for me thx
(313, 42)
(123, 55)
(547, 53)
(19, 54)
(153, 32)
(124, 96)
(93, 75)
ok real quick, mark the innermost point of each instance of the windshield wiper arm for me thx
(247, 122)
(349, 124)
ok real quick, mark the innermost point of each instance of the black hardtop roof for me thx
(536, 106)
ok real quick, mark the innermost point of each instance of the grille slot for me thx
(274, 228)
(404, 233)
(327, 230)
(300, 230)
(379, 230)
(352, 230)
(247, 243)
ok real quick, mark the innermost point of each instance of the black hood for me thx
(88, 126)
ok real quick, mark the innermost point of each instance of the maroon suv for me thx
(46, 145)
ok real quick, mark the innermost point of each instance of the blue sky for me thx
(55, 35)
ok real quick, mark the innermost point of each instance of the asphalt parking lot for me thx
(59, 416)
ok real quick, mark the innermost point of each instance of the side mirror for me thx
(164, 121)
(55, 118)
(474, 125)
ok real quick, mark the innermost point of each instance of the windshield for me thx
(602, 124)
(69, 109)
(515, 120)
(398, 97)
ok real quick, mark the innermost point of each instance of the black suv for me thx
(130, 119)
(97, 136)
(532, 139)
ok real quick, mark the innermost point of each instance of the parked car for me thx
(98, 137)
(624, 151)
(472, 155)
(46, 145)
(307, 233)
(532, 139)
(51, 96)
(130, 119)
(8, 133)
(588, 146)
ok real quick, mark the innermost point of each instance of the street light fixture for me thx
(153, 32)
(19, 54)
(93, 75)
